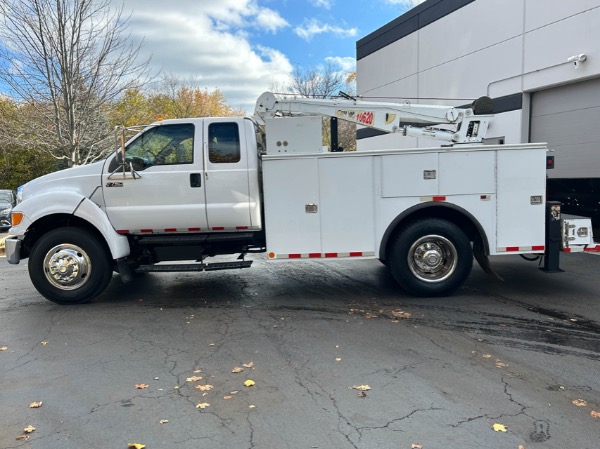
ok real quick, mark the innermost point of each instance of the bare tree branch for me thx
(69, 60)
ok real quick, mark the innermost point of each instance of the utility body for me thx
(183, 191)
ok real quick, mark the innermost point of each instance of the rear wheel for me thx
(431, 257)
(69, 266)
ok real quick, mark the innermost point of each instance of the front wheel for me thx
(431, 257)
(69, 266)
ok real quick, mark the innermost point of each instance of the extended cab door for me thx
(229, 201)
(169, 193)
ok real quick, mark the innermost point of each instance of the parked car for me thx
(7, 202)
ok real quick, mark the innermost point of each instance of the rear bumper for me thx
(13, 250)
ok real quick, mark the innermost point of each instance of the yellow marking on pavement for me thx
(3, 246)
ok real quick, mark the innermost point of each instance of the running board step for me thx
(194, 267)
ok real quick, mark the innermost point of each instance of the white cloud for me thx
(406, 3)
(270, 20)
(207, 42)
(345, 63)
(312, 27)
(327, 4)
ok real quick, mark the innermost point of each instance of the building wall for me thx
(453, 51)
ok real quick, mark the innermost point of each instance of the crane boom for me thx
(387, 117)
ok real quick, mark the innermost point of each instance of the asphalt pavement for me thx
(338, 355)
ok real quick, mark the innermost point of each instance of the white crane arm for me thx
(387, 117)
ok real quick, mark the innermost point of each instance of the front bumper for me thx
(13, 250)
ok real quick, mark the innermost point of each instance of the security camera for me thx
(577, 60)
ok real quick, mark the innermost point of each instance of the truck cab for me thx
(188, 176)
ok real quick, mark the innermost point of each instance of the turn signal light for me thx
(16, 218)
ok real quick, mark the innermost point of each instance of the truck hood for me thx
(83, 179)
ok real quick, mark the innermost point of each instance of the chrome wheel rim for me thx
(432, 258)
(67, 267)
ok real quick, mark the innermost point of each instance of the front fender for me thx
(117, 243)
(70, 203)
(42, 205)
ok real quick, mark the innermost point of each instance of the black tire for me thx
(431, 257)
(69, 266)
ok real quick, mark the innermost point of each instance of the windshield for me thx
(5, 197)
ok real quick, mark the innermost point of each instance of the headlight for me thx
(5, 211)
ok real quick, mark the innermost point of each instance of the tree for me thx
(67, 60)
(18, 165)
(173, 99)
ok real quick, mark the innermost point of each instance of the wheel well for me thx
(55, 221)
(445, 211)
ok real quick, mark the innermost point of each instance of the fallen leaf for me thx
(237, 369)
(595, 414)
(211, 344)
(163, 421)
(361, 387)
(194, 379)
(136, 445)
(338, 359)
(249, 383)
(487, 356)
(252, 406)
(227, 397)
(400, 314)
(197, 371)
(29, 429)
(3, 348)
(44, 343)
(370, 315)
(521, 446)
(416, 446)
(579, 402)
(206, 387)
(234, 392)
(141, 386)
(248, 365)
(35, 404)
(500, 364)
(22, 438)
(203, 405)
(499, 427)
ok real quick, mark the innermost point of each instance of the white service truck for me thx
(182, 191)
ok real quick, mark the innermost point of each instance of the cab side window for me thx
(223, 143)
(162, 145)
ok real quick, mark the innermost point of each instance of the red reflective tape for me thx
(512, 248)
(218, 228)
(170, 230)
(566, 250)
(314, 255)
(593, 249)
(123, 231)
(356, 254)
(538, 248)
(146, 230)
(194, 229)
(438, 198)
(241, 227)
(331, 254)
(295, 256)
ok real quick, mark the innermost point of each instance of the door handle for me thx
(195, 180)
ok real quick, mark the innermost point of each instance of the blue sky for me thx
(243, 47)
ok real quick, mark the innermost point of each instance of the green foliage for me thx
(18, 166)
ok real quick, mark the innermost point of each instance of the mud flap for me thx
(483, 261)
